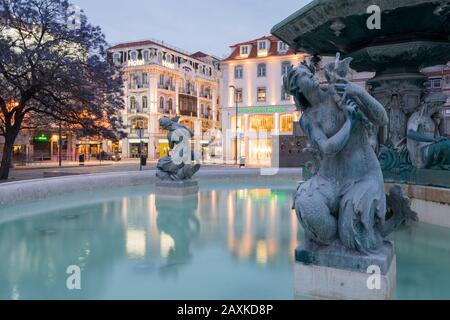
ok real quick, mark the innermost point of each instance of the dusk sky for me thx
(194, 25)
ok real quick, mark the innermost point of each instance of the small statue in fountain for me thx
(344, 204)
(179, 166)
(428, 149)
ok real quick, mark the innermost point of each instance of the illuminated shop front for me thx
(258, 128)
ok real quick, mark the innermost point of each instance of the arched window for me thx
(133, 55)
(146, 55)
(170, 105)
(138, 123)
(161, 104)
(238, 72)
(261, 70)
(144, 102)
(133, 103)
(159, 56)
(117, 59)
(285, 67)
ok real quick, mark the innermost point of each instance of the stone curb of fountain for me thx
(29, 190)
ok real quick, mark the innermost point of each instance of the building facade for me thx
(253, 95)
(161, 80)
(439, 81)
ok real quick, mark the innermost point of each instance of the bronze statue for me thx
(345, 202)
(179, 166)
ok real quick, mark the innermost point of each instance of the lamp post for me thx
(236, 122)
(60, 144)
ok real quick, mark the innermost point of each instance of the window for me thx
(238, 72)
(146, 55)
(282, 46)
(435, 83)
(144, 78)
(287, 123)
(284, 95)
(161, 104)
(161, 80)
(134, 55)
(238, 97)
(170, 105)
(285, 67)
(117, 58)
(139, 123)
(244, 50)
(261, 94)
(262, 45)
(144, 102)
(261, 70)
(133, 103)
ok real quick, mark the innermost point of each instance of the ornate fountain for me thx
(412, 34)
(343, 207)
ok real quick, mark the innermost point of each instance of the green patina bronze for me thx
(413, 34)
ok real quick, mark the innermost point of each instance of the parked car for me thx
(109, 156)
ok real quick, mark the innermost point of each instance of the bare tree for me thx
(53, 68)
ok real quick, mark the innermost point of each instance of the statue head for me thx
(165, 123)
(433, 102)
(301, 82)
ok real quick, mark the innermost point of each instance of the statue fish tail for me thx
(399, 211)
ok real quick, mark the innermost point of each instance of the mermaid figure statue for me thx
(179, 166)
(345, 202)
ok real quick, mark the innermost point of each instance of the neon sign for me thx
(263, 110)
(42, 138)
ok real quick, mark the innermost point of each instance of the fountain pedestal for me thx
(334, 272)
(176, 189)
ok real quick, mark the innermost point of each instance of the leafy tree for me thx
(54, 65)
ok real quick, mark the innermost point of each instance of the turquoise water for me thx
(229, 243)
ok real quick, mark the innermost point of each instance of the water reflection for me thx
(179, 226)
(224, 244)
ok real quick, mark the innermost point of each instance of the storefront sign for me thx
(42, 138)
(263, 110)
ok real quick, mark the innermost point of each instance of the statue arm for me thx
(373, 109)
(417, 136)
(328, 146)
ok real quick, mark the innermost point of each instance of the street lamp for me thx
(236, 123)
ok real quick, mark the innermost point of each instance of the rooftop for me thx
(272, 50)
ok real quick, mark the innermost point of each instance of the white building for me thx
(439, 81)
(256, 68)
(161, 80)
